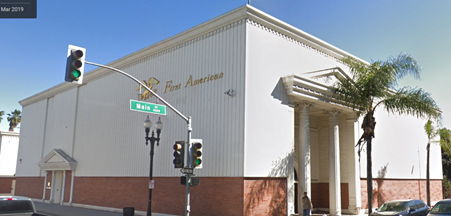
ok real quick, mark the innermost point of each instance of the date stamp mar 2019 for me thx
(18, 9)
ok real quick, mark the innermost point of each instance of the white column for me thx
(64, 186)
(45, 187)
(355, 201)
(52, 187)
(72, 175)
(334, 163)
(304, 175)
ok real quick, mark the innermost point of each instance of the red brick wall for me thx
(67, 186)
(5, 184)
(168, 196)
(30, 187)
(393, 189)
(117, 192)
(215, 195)
(320, 195)
(265, 196)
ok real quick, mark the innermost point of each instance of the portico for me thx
(325, 158)
(56, 166)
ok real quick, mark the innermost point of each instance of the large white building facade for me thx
(9, 146)
(277, 133)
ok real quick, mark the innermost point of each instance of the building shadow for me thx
(378, 191)
(269, 196)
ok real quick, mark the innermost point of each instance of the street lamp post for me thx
(152, 139)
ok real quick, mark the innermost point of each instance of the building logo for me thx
(170, 86)
(147, 94)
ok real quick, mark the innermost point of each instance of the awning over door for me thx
(57, 159)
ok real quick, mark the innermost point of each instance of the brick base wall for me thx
(214, 196)
(30, 187)
(393, 189)
(5, 184)
(265, 196)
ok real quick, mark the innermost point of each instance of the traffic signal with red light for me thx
(75, 64)
(196, 153)
(179, 154)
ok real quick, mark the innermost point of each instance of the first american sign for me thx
(147, 107)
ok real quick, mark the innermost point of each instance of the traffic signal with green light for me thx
(196, 153)
(75, 65)
(179, 154)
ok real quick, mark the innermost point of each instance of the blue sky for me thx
(33, 51)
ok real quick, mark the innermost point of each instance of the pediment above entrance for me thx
(57, 159)
(316, 87)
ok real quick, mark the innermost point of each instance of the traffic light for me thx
(179, 154)
(196, 151)
(75, 64)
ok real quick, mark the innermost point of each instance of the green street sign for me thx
(147, 107)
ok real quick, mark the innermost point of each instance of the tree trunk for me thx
(369, 175)
(428, 191)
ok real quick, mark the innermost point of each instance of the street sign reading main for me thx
(147, 107)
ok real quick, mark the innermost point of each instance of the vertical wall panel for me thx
(110, 138)
(59, 131)
(31, 139)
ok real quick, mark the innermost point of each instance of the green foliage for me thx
(375, 84)
(445, 141)
(14, 119)
(446, 184)
(1, 114)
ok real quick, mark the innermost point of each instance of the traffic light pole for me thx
(188, 121)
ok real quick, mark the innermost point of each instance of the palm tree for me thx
(1, 114)
(14, 119)
(431, 132)
(374, 85)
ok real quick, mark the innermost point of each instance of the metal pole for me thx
(148, 89)
(152, 144)
(188, 165)
(187, 145)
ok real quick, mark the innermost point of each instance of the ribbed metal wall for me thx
(109, 138)
(59, 129)
(31, 139)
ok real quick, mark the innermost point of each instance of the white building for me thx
(9, 146)
(82, 145)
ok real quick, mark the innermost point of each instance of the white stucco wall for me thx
(269, 116)
(9, 146)
(400, 146)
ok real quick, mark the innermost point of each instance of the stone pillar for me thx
(45, 186)
(304, 175)
(52, 187)
(334, 163)
(63, 187)
(355, 200)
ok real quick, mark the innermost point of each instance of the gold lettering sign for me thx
(170, 86)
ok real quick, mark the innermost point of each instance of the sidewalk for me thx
(59, 210)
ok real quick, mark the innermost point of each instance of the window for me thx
(419, 204)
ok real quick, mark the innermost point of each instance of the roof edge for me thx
(243, 12)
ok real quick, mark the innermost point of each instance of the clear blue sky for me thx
(33, 51)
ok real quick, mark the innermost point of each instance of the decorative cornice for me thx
(288, 38)
(305, 104)
(9, 133)
(333, 112)
(239, 16)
